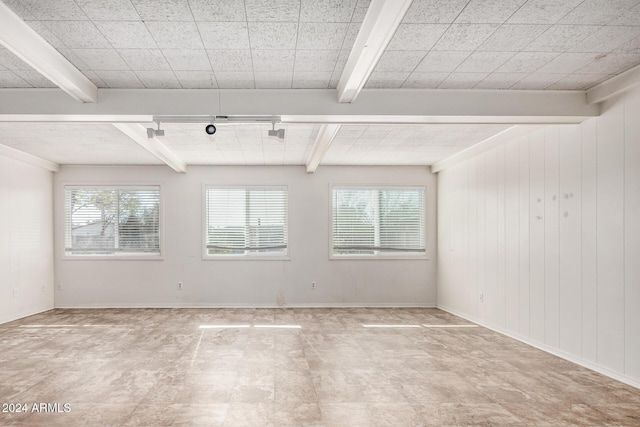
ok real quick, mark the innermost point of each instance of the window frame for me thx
(385, 255)
(136, 256)
(243, 257)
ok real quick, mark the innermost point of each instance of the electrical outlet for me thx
(481, 296)
(313, 285)
(179, 286)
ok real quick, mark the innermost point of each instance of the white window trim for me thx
(251, 257)
(114, 185)
(399, 256)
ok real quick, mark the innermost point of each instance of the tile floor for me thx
(329, 367)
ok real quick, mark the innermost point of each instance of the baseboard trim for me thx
(24, 314)
(218, 305)
(552, 350)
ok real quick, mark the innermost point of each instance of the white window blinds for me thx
(246, 221)
(112, 220)
(378, 221)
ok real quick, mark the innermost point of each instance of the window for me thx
(246, 221)
(112, 221)
(378, 222)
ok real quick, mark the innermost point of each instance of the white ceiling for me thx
(294, 44)
(103, 144)
(484, 44)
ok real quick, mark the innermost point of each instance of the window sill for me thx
(111, 258)
(378, 258)
(245, 258)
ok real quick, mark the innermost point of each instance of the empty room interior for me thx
(319, 212)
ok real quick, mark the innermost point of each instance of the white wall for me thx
(26, 240)
(547, 227)
(112, 283)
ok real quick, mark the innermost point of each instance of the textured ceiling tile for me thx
(311, 80)
(598, 12)
(40, 28)
(102, 59)
(224, 35)
(384, 79)
(360, 11)
(607, 39)
(567, 63)
(579, 81)
(512, 38)
(19, 9)
(235, 79)
(9, 79)
(273, 10)
(273, 60)
(526, 62)
(632, 46)
(230, 60)
(416, 36)
(175, 35)
(60, 10)
(441, 61)
(465, 36)
(158, 79)
(400, 60)
(340, 64)
(273, 35)
(321, 35)
(613, 63)
(631, 17)
(218, 10)
(187, 60)
(163, 10)
(78, 34)
(500, 80)
(108, 10)
(127, 35)
(316, 60)
(488, 11)
(537, 81)
(273, 80)
(10, 61)
(145, 59)
(424, 80)
(120, 79)
(560, 38)
(327, 10)
(484, 62)
(36, 79)
(352, 34)
(434, 11)
(95, 79)
(543, 11)
(462, 80)
(197, 79)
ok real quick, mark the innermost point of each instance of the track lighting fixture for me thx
(276, 133)
(152, 133)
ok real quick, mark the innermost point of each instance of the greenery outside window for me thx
(112, 221)
(378, 222)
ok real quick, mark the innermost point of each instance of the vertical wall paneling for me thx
(491, 209)
(464, 239)
(524, 235)
(473, 236)
(632, 236)
(512, 241)
(551, 252)
(570, 239)
(610, 236)
(536, 237)
(501, 299)
(589, 241)
(554, 239)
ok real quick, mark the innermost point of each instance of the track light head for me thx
(152, 133)
(276, 133)
(210, 129)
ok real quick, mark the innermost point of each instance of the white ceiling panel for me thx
(221, 43)
(96, 144)
(403, 144)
